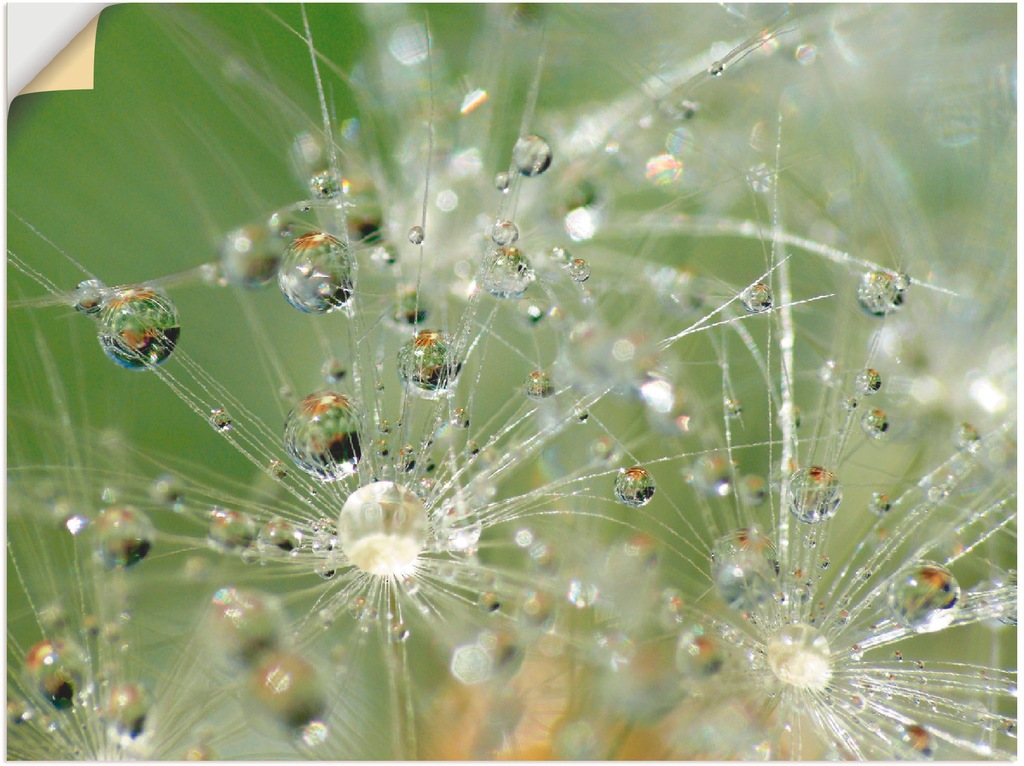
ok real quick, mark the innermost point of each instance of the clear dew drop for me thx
(538, 385)
(280, 534)
(56, 668)
(712, 475)
(333, 372)
(531, 155)
(288, 688)
(416, 235)
(427, 364)
(506, 272)
(879, 504)
(316, 274)
(744, 568)
(124, 536)
(924, 597)
(325, 184)
(501, 182)
(578, 270)
(881, 292)
(966, 438)
(868, 382)
(89, 296)
(757, 298)
(716, 69)
(382, 529)
(127, 706)
(220, 420)
(700, 655)
(814, 494)
(634, 486)
(230, 530)
(460, 528)
(321, 434)
(410, 306)
(504, 233)
(138, 327)
(875, 423)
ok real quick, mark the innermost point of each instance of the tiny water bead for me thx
(881, 292)
(325, 185)
(333, 372)
(220, 420)
(124, 535)
(138, 327)
(250, 256)
(699, 654)
(966, 438)
(744, 568)
(880, 504)
(531, 155)
(501, 181)
(504, 233)
(757, 298)
(280, 534)
(800, 656)
(89, 296)
(506, 272)
(127, 707)
(538, 385)
(316, 274)
(383, 529)
(246, 624)
(578, 270)
(56, 668)
(875, 423)
(634, 486)
(427, 364)
(416, 235)
(919, 739)
(321, 434)
(924, 597)
(410, 306)
(814, 494)
(868, 382)
(288, 687)
(230, 529)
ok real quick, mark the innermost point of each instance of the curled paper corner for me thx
(73, 65)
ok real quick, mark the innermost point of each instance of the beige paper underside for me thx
(72, 68)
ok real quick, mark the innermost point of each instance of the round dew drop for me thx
(125, 536)
(321, 434)
(325, 184)
(416, 235)
(506, 272)
(127, 707)
(924, 597)
(427, 364)
(230, 530)
(578, 270)
(383, 529)
(288, 687)
(757, 298)
(316, 274)
(538, 385)
(881, 293)
(89, 296)
(504, 233)
(698, 655)
(246, 624)
(634, 486)
(56, 669)
(250, 256)
(531, 155)
(744, 568)
(814, 494)
(875, 423)
(868, 382)
(138, 327)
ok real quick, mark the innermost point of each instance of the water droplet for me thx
(127, 707)
(124, 535)
(919, 739)
(868, 382)
(753, 490)
(712, 475)
(325, 185)
(531, 155)
(880, 293)
(581, 414)
(471, 664)
(744, 567)
(879, 504)
(460, 527)
(247, 624)
(814, 494)
(460, 418)
(89, 296)
(756, 298)
(805, 53)
(56, 667)
(138, 327)
(504, 233)
(230, 530)
(333, 371)
(315, 274)
(732, 406)
(663, 169)
(875, 423)
(700, 655)
(427, 364)
(219, 420)
(716, 69)
(966, 438)
(281, 534)
(416, 235)
(634, 486)
(538, 385)
(924, 597)
(383, 529)
(506, 272)
(288, 688)
(410, 307)
(578, 270)
(582, 594)
(321, 434)
(501, 182)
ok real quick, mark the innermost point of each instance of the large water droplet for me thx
(315, 274)
(138, 327)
